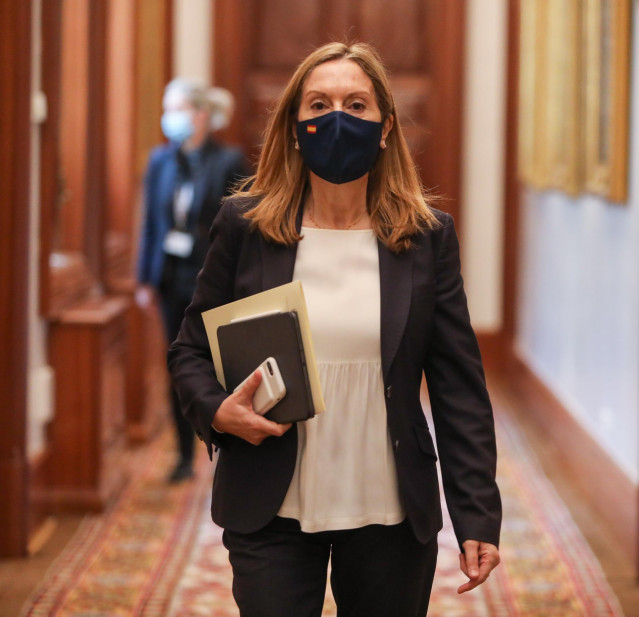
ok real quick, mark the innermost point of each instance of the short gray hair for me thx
(195, 92)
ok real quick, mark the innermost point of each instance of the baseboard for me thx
(608, 490)
(493, 346)
(14, 531)
(37, 482)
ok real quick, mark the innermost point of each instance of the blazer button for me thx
(389, 391)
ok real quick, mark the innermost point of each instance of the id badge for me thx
(178, 243)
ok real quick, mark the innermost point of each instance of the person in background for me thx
(185, 182)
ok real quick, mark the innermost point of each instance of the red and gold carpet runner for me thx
(157, 553)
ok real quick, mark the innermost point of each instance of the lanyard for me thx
(182, 203)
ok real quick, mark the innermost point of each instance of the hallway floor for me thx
(19, 577)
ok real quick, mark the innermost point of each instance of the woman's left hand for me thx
(476, 562)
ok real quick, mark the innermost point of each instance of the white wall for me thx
(483, 162)
(579, 304)
(192, 42)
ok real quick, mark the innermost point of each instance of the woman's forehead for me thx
(338, 76)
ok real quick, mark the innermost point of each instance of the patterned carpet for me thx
(156, 553)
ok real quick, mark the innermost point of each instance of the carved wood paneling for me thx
(69, 281)
(147, 378)
(258, 44)
(398, 35)
(121, 177)
(49, 151)
(441, 160)
(72, 153)
(15, 51)
(278, 41)
(74, 112)
(145, 361)
(95, 207)
(107, 64)
(151, 77)
(85, 466)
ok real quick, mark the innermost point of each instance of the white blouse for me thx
(345, 475)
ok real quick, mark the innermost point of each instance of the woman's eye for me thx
(358, 106)
(318, 106)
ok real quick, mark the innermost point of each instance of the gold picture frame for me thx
(563, 129)
(531, 87)
(606, 45)
(573, 95)
(550, 95)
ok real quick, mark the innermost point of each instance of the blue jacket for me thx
(221, 166)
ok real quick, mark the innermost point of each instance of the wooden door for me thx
(258, 44)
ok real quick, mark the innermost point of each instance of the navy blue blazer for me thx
(425, 328)
(221, 167)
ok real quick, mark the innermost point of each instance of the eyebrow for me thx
(359, 93)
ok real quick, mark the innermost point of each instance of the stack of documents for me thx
(275, 324)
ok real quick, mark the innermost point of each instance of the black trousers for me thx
(175, 293)
(376, 571)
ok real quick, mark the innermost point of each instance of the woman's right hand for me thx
(237, 417)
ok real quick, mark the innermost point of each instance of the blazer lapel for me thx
(278, 262)
(396, 283)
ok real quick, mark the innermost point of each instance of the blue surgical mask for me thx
(177, 125)
(339, 147)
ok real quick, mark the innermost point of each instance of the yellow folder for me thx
(289, 297)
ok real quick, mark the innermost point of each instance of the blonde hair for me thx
(396, 200)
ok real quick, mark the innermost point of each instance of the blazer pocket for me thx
(425, 440)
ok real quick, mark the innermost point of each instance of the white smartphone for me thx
(271, 389)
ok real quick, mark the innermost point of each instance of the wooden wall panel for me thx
(100, 127)
(441, 161)
(122, 179)
(288, 22)
(259, 44)
(402, 45)
(231, 40)
(85, 468)
(74, 110)
(95, 206)
(121, 118)
(15, 67)
(338, 20)
(72, 166)
(151, 77)
(146, 378)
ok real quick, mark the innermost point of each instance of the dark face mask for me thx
(339, 147)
